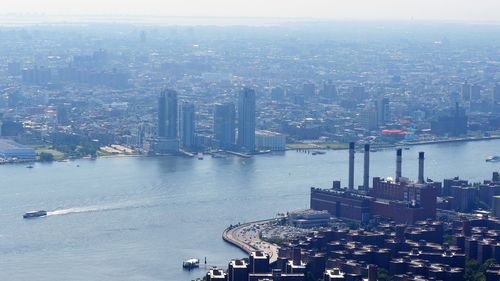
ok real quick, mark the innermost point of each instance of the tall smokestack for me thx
(399, 162)
(351, 165)
(420, 167)
(366, 175)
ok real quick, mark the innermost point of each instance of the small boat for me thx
(35, 214)
(191, 263)
(29, 166)
(495, 158)
(200, 156)
(317, 152)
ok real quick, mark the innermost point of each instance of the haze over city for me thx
(440, 10)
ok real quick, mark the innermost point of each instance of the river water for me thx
(138, 218)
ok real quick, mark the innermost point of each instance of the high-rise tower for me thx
(246, 119)
(224, 124)
(167, 114)
(187, 125)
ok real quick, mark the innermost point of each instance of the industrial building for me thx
(10, 149)
(267, 140)
(397, 199)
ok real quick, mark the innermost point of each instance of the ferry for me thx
(35, 214)
(191, 263)
(495, 158)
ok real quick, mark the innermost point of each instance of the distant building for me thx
(496, 206)
(277, 93)
(308, 218)
(466, 91)
(246, 120)
(401, 200)
(454, 124)
(329, 90)
(12, 149)
(237, 270)
(36, 76)
(267, 140)
(258, 262)
(475, 93)
(224, 125)
(187, 129)
(10, 128)
(308, 89)
(167, 141)
(14, 68)
(359, 94)
(496, 93)
(216, 275)
(167, 114)
(383, 112)
(62, 115)
(369, 117)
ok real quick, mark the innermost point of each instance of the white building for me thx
(270, 140)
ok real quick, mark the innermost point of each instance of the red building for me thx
(402, 201)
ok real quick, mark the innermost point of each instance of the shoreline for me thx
(299, 147)
(307, 146)
(237, 236)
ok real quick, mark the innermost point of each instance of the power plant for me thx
(396, 199)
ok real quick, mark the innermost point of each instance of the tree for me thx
(383, 274)
(474, 271)
(46, 156)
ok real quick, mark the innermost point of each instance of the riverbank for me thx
(344, 146)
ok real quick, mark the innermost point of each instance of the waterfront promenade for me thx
(247, 238)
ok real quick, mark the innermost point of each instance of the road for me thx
(246, 237)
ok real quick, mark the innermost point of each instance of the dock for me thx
(239, 154)
(186, 153)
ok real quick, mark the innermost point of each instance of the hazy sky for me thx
(449, 10)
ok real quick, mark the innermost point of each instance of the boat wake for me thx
(94, 208)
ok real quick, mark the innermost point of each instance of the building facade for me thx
(246, 120)
(187, 128)
(224, 125)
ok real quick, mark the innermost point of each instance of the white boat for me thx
(191, 263)
(35, 214)
(200, 156)
(495, 158)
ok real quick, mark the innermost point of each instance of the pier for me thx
(243, 155)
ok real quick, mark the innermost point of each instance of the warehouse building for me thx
(10, 149)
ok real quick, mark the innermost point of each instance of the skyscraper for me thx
(383, 114)
(167, 114)
(496, 93)
(187, 125)
(329, 90)
(466, 91)
(224, 124)
(62, 115)
(246, 119)
(475, 93)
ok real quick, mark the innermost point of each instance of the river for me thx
(138, 218)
